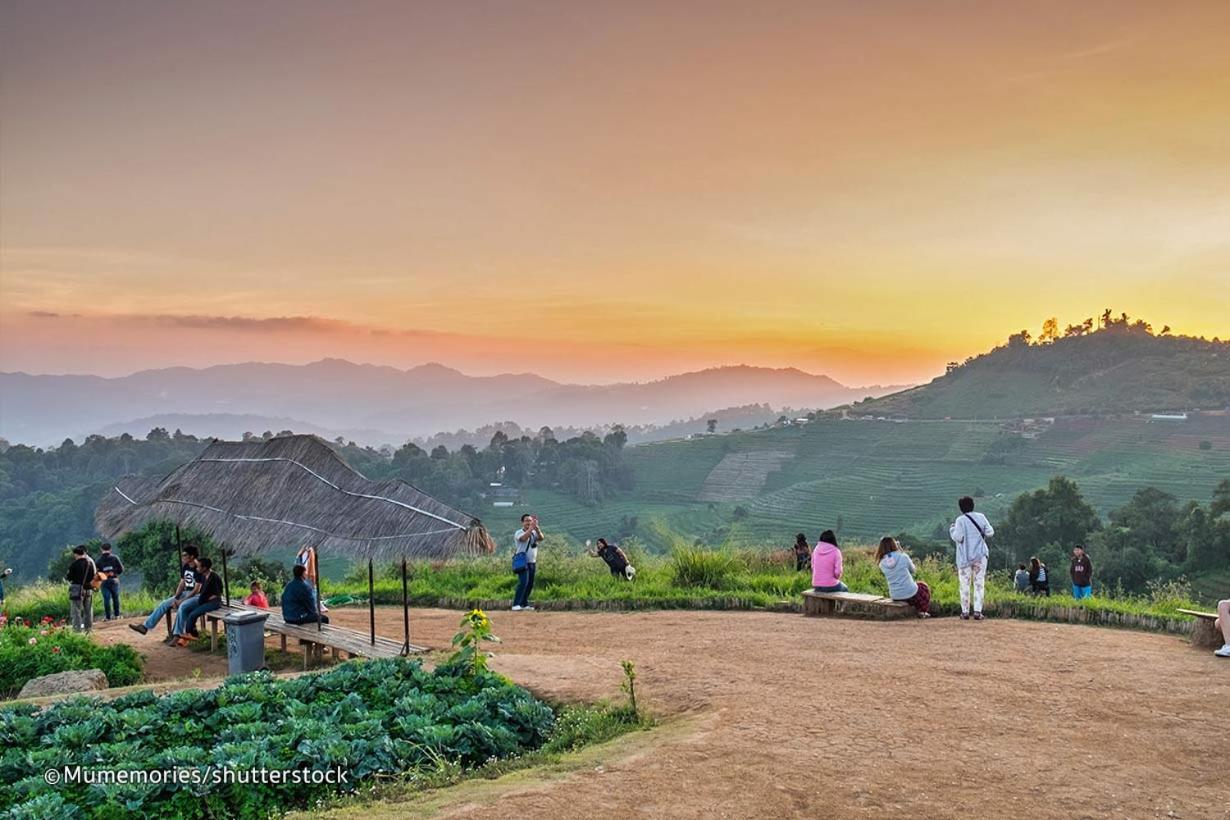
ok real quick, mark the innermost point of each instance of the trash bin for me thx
(245, 641)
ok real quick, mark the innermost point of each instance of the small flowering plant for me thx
(475, 629)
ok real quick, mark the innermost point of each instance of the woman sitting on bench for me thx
(826, 565)
(899, 571)
(299, 601)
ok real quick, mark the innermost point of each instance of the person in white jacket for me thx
(970, 533)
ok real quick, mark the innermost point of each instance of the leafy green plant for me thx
(629, 686)
(375, 720)
(32, 650)
(476, 629)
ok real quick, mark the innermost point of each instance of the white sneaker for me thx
(516, 609)
(1224, 652)
(528, 607)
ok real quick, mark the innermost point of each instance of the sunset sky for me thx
(601, 192)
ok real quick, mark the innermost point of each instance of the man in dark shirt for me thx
(186, 587)
(80, 594)
(1082, 574)
(109, 564)
(298, 601)
(208, 598)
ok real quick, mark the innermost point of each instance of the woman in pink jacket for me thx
(826, 565)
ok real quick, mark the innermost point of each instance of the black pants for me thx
(324, 619)
(525, 585)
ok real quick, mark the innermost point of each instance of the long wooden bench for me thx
(315, 639)
(1205, 633)
(856, 604)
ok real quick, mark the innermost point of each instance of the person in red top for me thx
(257, 597)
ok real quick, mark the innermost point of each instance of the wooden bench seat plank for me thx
(314, 638)
(853, 603)
(1205, 633)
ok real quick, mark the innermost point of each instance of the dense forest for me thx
(1105, 365)
(47, 497)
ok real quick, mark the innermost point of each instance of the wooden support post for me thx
(226, 581)
(405, 607)
(213, 635)
(371, 599)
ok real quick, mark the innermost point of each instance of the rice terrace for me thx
(554, 410)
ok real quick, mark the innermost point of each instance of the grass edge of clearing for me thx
(487, 784)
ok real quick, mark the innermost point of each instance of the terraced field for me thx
(868, 478)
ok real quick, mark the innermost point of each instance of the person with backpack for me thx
(110, 567)
(525, 560)
(1082, 574)
(970, 532)
(80, 577)
(1039, 578)
(826, 565)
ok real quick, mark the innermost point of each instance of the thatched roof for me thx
(289, 491)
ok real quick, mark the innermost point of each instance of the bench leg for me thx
(169, 621)
(283, 637)
(335, 656)
(213, 635)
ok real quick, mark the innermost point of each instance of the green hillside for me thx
(1120, 369)
(877, 477)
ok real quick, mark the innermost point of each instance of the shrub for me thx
(28, 652)
(708, 569)
(371, 719)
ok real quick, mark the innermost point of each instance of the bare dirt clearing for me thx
(793, 716)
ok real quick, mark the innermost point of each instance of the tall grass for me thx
(688, 577)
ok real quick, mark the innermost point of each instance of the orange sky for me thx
(595, 193)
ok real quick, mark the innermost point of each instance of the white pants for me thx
(978, 574)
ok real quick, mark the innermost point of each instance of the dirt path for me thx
(792, 716)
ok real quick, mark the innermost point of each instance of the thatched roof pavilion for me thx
(295, 491)
(290, 491)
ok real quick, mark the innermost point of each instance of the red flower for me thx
(47, 619)
(55, 649)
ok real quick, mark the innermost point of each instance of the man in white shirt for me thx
(970, 533)
(525, 541)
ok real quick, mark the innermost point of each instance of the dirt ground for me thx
(777, 715)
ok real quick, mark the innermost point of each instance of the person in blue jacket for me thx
(299, 601)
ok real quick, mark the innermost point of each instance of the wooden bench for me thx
(855, 604)
(1205, 633)
(313, 639)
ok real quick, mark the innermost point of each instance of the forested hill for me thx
(1121, 368)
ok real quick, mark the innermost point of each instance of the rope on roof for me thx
(319, 477)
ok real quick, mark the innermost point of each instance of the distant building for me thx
(1168, 417)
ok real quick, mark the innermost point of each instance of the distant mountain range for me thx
(376, 404)
(1121, 369)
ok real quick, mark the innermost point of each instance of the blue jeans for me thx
(839, 588)
(1082, 592)
(525, 585)
(111, 597)
(184, 609)
(195, 612)
(159, 611)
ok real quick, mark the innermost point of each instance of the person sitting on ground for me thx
(208, 599)
(826, 566)
(899, 569)
(802, 553)
(1039, 580)
(616, 559)
(1021, 579)
(1223, 623)
(298, 602)
(1082, 574)
(187, 586)
(256, 596)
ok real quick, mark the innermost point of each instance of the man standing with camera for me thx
(525, 560)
